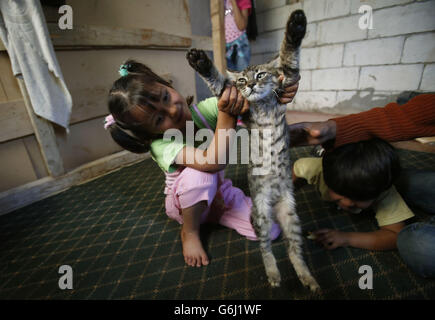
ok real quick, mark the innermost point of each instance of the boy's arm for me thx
(383, 239)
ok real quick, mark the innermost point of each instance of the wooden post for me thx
(218, 34)
(45, 136)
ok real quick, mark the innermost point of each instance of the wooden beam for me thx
(91, 37)
(45, 136)
(14, 121)
(202, 42)
(29, 193)
(94, 37)
(218, 34)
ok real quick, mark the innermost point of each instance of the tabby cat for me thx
(271, 193)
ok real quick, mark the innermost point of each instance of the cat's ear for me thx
(274, 63)
(233, 76)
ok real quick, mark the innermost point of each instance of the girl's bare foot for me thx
(193, 252)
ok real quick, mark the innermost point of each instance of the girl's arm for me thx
(240, 16)
(383, 239)
(230, 105)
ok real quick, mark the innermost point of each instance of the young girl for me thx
(143, 106)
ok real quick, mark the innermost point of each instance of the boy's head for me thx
(357, 173)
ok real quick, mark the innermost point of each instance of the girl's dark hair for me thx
(362, 170)
(137, 88)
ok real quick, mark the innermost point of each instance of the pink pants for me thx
(226, 205)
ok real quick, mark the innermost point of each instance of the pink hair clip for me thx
(108, 121)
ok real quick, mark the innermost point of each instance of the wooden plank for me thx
(91, 37)
(218, 34)
(16, 167)
(45, 135)
(14, 121)
(8, 81)
(22, 196)
(202, 42)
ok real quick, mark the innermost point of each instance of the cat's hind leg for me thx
(289, 222)
(262, 223)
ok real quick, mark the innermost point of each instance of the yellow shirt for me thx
(390, 208)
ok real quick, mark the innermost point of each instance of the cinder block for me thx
(336, 8)
(419, 48)
(310, 36)
(375, 4)
(257, 59)
(325, 9)
(260, 22)
(330, 56)
(314, 10)
(428, 81)
(357, 101)
(415, 17)
(335, 79)
(340, 30)
(372, 52)
(276, 18)
(391, 78)
(267, 42)
(305, 82)
(263, 5)
(313, 100)
(309, 58)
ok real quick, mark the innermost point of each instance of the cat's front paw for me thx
(296, 27)
(199, 61)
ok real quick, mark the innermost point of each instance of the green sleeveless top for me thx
(164, 152)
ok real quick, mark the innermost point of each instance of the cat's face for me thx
(256, 82)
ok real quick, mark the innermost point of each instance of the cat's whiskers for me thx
(275, 93)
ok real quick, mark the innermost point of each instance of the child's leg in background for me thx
(415, 242)
(193, 252)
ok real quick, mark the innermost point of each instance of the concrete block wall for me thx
(346, 69)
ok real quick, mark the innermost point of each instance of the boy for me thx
(358, 176)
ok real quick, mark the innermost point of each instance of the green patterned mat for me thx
(115, 235)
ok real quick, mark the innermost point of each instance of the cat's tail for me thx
(290, 47)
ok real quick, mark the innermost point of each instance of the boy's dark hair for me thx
(136, 89)
(362, 170)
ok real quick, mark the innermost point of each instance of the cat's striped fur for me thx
(271, 190)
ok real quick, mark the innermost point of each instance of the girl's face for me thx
(349, 205)
(170, 111)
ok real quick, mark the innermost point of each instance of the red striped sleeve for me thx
(393, 122)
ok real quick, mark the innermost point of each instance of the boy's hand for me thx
(331, 239)
(289, 91)
(311, 133)
(232, 102)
